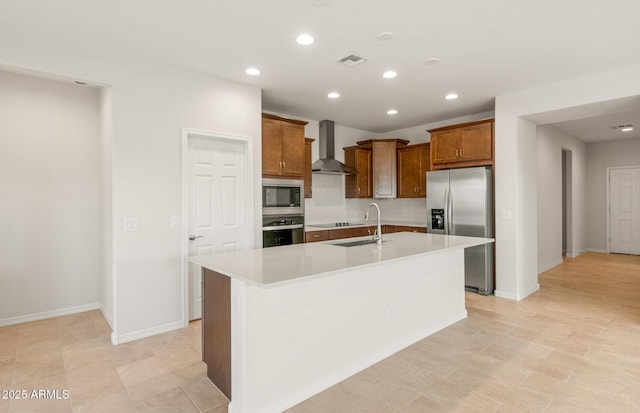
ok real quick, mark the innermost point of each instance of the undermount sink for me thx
(355, 243)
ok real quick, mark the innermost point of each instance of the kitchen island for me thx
(282, 324)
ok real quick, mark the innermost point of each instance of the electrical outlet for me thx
(505, 214)
(389, 313)
(131, 224)
(175, 221)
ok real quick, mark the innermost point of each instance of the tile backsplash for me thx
(400, 209)
(329, 204)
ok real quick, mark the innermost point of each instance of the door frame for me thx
(247, 142)
(568, 205)
(608, 205)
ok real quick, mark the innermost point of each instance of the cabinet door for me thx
(444, 146)
(363, 178)
(359, 185)
(292, 154)
(408, 173)
(425, 166)
(313, 236)
(476, 142)
(308, 175)
(271, 147)
(384, 169)
(350, 181)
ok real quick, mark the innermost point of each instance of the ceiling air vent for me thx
(352, 59)
(623, 128)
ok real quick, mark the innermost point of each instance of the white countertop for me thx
(276, 266)
(372, 223)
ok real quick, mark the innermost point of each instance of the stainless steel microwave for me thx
(282, 196)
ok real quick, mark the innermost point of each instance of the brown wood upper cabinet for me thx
(282, 147)
(384, 168)
(413, 164)
(463, 145)
(308, 175)
(359, 185)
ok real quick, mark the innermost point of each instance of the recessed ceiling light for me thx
(392, 112)
(305, 39)
(253, 71)
(385, 36)
(451, 96)
(432, 61)
(627, 129)
(333, 95)
(390, 74)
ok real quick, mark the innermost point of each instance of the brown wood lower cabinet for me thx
(350, 232)
(313, 236)
(389, 229)
(324, 235)
(216, 329)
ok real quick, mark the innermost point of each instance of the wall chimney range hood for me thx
(327, 164)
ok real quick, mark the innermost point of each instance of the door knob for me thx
(194, 237)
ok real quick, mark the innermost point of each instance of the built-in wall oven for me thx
(282, 212)
(282, 230)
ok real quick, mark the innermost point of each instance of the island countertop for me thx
(270, 267)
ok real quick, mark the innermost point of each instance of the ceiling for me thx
(602, 128)
(486, 48)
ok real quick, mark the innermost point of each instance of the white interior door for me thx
(216, 205)
(624, 210)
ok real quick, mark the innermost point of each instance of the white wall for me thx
(516, 241)
(107, 224)
(600, 155)
(150, 105)
(50, 213)
(550, 143)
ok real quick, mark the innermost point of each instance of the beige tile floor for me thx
(574, 346)
(163, 373)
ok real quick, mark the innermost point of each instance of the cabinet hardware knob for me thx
(284, 165)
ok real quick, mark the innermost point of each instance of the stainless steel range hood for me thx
(327, 164)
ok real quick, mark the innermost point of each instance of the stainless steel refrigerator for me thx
(460, 202)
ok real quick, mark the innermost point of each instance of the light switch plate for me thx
(132, 224)
(175, 221)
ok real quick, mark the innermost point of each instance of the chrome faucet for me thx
(377, 237)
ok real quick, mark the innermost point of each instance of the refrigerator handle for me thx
(446, 211)
(450, 212)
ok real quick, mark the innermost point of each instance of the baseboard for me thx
(502, 294)
(598, 250)
(577, 254)
(48, 314)
(520, 297)
(147, 332)
(550, 266)
(356, 367)
(107, 317)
